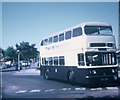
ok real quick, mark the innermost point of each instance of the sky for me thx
(60, 0)
(32, 21)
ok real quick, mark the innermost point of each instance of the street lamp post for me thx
(18, 60)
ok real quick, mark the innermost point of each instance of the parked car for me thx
(25, 63)
(8, 64)
(3, 66)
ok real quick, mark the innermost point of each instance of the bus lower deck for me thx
(95, 69)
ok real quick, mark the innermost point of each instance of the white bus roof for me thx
(79, 25)
(95, 23)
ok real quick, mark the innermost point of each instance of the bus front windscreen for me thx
(95, 30)
(100, 58)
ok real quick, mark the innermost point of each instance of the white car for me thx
(25, 63)
(8, 63)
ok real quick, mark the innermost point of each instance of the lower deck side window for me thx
(43, 61)
(61, 60)
(46, 61)
(50, 61)
(53, 61)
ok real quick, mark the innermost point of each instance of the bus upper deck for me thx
(88, 28)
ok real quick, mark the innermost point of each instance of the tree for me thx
(27, 51)
(1, 53)
(11, 53)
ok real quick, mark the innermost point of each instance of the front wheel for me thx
(71, 77)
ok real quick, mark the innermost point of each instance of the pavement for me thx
(28, 72)
(31, 70)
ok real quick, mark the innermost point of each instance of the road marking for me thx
(64, 89)
(96, 89)
(111, 88)
(35, 90)
(52, 89)
(47, 90)
(77, 89)
(21, 91)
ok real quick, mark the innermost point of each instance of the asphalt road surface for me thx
(34, 86)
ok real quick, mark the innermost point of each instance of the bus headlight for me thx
(86, 76)
(94, 71)
(115, 77)
(113, 71)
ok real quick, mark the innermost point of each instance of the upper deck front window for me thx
(95, 30)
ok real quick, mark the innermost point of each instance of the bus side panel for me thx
(62, 72)
(56, 72)
(59, 72)
(104, 76)
(79, 76)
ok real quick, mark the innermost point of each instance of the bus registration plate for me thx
(104, 79)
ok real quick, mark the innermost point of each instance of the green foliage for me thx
(10, 53)
(27, 51)
(1, 53)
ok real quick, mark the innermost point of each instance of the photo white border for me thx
(59, 0)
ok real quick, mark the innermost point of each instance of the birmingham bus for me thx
(84, 54)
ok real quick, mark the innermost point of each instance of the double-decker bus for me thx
(84, 54)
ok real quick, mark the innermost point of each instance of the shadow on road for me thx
(8, 70)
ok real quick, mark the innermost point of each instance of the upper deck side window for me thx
(50, 40)
(55, 39)
(77, 32)
(61, 37)
(95, 30)
(41, 43)
(44, 42)
(68, 35)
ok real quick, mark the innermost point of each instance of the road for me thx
(34, 86)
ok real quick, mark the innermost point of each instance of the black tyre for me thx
(46, 74)
(71, 77)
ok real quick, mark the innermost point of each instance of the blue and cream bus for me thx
(84, 54)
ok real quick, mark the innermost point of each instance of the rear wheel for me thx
(46, 74)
